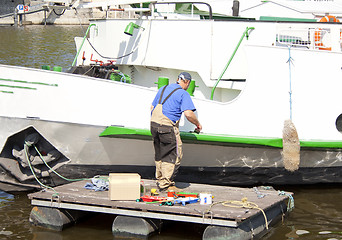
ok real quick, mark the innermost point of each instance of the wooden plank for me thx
(75, 193)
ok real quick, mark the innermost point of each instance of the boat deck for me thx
(226, 209)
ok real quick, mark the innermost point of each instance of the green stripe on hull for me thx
(21, 81)
(115, 131)
(21, 87)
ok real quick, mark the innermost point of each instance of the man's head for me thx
(184, 79)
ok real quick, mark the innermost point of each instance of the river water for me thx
(317, 213)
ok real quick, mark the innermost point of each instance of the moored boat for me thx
(266, 93)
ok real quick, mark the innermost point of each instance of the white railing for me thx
(310, 38)
(64, 2)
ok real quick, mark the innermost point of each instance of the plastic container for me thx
(206, 198)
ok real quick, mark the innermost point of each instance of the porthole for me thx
(339, 123)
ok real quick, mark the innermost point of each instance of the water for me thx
(34, 46)
(317, 213)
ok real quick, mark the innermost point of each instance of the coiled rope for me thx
(244, 203)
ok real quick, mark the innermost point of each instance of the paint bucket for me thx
(206, 198)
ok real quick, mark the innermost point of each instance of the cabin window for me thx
(339, 123)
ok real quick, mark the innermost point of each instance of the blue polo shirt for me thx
(179, 101)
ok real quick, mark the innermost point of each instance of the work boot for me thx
(162, 189)
(174, 188)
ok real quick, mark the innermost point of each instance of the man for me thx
(167, 108)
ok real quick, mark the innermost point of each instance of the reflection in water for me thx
(317, 211)
(14, 213)
(5, 197)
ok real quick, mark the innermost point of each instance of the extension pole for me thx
(245, 33)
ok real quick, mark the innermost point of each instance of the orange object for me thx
(329, 18)
(318, 33)
(172, 193)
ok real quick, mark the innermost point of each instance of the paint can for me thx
(206, 198)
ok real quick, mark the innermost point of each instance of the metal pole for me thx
(44, 17)
(245, 33)
(15, 18)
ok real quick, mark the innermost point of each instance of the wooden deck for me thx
(74, 196)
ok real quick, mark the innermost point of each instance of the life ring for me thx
(318, 33)
(329, 18)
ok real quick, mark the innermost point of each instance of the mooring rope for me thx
(290, 203)
(26, 146)
(243, 203)
(59, 175)
(290, 61)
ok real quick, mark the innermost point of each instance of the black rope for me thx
(58, 14)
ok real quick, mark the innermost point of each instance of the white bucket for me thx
(206, 198)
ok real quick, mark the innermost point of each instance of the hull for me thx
(87, 151)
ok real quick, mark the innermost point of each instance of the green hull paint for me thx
(216, 139)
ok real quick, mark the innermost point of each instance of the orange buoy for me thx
(329, 18)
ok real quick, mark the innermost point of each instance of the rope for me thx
(26, 146)
(290, 204)
(55, 194)
(239, 204)
(59, 14)
(290, 61)
(59, 175)
(105, 57)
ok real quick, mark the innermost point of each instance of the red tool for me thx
(147, 198)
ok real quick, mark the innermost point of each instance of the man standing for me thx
(167, 108)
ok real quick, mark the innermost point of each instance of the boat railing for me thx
(153, 11)
(210, 11)
(310, 38)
